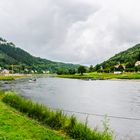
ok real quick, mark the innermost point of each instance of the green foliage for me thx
(127, 58)
(137, 68)
(72, 71)
(81, 69)
(55, 119)
(36, 111)
(91, 69)
(62, 71)
(7, 78)
(103, 76)
(65, 71)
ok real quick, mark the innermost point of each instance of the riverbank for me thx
(55, 120)
(15, 125)
(86, 76)
(12, 77)
(8, 78)
(102, 76)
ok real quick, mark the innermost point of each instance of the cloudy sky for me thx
(77, 31)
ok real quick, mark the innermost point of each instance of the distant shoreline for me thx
(86, 76)
(103, 76)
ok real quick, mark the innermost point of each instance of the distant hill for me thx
(23, 61)
(126, 58)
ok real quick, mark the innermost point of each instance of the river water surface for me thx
(119, 100)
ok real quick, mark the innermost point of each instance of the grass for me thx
(7, 78)
(16, 126)
(10, 78)
(102, 76)
(55, 120)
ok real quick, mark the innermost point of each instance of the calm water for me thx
(112, 98)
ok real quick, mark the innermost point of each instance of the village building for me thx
(137, 63)
(118, 69)
(119, 66)
(5, 72)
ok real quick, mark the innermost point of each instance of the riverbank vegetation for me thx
(102, 76)
(55, 119)
(16, 126)
(6, 78)
(10, 78)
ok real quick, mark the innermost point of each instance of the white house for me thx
(137, 63)
(117, 72)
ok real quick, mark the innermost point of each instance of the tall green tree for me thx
(81, 70)
(72, 71)
(91, 68)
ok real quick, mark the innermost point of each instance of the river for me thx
(117, 99)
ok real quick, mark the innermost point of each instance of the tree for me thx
(129, 65)
(81, 70)
(97, 67)
(138, 57)
(91, 68)
(72, 71)
(62, 71)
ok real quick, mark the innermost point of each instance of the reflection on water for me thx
(116, 98)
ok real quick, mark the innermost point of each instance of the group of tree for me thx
(26, 63)
(126, 58)
(80, 70)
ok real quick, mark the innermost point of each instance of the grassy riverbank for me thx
(55, 120)
(7, 78)
(16, 126)
(10, 78)
(102, 76)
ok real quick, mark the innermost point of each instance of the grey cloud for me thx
(44, 28)
(78, 31)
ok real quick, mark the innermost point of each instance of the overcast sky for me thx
(77, 31)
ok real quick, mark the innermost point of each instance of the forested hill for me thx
(127, 58)
(10, 55)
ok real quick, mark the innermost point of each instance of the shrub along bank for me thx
(16, 126)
